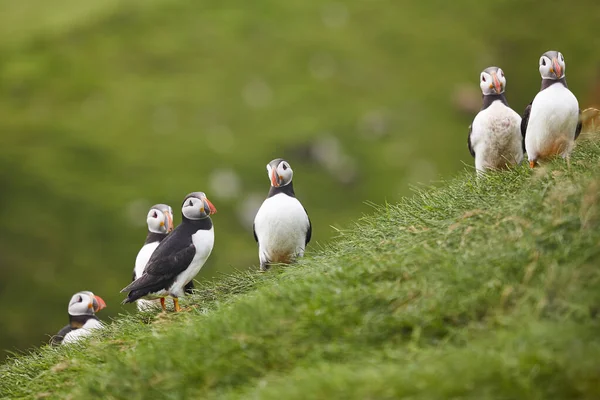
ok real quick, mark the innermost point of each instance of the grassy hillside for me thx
(480, 289)
(107, 107)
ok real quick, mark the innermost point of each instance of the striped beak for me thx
(497, 86)
(556, 68)
(98, 304)
(275, 178)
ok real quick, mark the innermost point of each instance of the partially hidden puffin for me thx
(282, 227)
(551, 122)
(82, 309)
(494, 136)
(160, 224)
(180, 256)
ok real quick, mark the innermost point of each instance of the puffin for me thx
(495, 136)
(179, 257)
(551, 122)
(281, 227)
(160, 224)
(82, 309)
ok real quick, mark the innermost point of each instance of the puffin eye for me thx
(154, 215)
(543, 61)
(483, 78)
(285, 167)
(79, 299)
(502, 73)
(191, 203)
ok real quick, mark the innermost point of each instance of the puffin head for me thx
(552, 65)
(160, 219)
(492, 81)
(196, 206)
(85, 303)
(280, 172)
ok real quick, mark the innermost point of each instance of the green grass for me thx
(108, 107)
(477, 289)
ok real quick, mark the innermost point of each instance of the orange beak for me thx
(497, 84)
(101, 303)
(557, 68)
(212, 208)
(169, 221)
(274, 179)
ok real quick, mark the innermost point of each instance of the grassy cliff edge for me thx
(477, 289)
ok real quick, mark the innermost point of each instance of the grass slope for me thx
(479, 289)
(110, 106)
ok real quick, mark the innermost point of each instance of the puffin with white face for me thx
(180, 256)
(495, 136)
(551, 122)
(82, 309)
(282, 227)
(160, 224)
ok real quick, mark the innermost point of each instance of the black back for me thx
(75, 322)
(172, 256)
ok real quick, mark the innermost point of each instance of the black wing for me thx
(254, 231)
(309, 231)
(133, 277)
(160, 272)
(524, 122)
(171, 257)
(469, 141)
(579, 126)
(59, 337)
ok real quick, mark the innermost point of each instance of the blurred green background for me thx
(109, 106)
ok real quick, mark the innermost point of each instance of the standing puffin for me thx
(82, 318)
(494, 136)
(160, 224)
(282, 227)
(551, 121)
(180, 256)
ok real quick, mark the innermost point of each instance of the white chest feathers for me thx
(143, 256)
(86, 330)
(496, 137)
(552, 123)
(203, 241)
(281, 225)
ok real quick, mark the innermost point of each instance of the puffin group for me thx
(170, 257)
(499, 137)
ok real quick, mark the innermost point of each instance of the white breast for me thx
(140, 265)
(496, 137)
(203, 241)
(86, 330)
(142, 258)
(552, 123)
(280, 226)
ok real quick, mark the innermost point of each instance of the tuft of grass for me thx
(477, 289)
